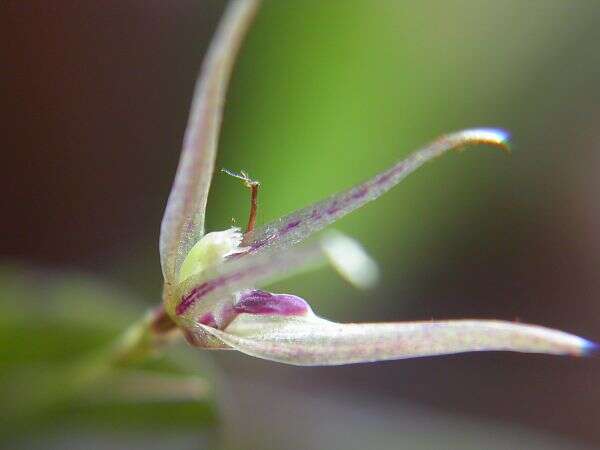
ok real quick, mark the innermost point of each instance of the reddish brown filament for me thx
(254, 185)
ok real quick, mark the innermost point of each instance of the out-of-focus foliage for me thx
(52, 327)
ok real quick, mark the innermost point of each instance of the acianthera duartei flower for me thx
(212, 280)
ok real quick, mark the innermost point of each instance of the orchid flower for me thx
(213, 282)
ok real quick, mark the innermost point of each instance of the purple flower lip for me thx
(262, 302)
(257, 302)
(291, 225)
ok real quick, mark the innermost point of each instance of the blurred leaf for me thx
(53, 324)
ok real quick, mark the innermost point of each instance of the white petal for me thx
(210, 251)
(312, 341)
(351, 261)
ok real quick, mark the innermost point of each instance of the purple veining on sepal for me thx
(316, 214)
(328, 209)
(259, 243)
(385, 176)
(291, 225)
(360, 193)
(198, 292)
(332, 209)
(262, 302)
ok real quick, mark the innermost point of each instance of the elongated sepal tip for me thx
(495, 137)
(495, 134)
(590, 349)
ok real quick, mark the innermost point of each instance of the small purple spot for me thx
(360, 193)
(259, 243)
(208, 319)
(398, 169)
(189, 299)
(316, 214)
(262, 302)
(383, 179)
(333, 208)
(290, 226)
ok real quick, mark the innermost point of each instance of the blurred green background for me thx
(324, 95)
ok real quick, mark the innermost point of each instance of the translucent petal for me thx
(210, 250)
(183, 222)
(350, 260)
(300, 224)
(312, 341)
